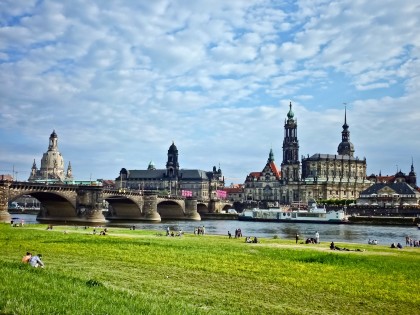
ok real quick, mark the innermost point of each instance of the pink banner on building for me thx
(186, 193)
(221, 194)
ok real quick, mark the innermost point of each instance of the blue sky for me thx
(120, 80)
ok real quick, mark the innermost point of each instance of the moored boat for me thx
(312, 215)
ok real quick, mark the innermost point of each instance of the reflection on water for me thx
(328, 232)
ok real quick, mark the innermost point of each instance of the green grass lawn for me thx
(141, 272)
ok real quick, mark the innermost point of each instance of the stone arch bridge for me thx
(84, 203)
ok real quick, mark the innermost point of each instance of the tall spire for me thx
(345, 147)
(345, 116)
(412, 176)
(345, 134)
(270, 156)
(290, 114)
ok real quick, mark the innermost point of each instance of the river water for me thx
(350, 233)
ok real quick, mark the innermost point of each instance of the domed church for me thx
(52, 165)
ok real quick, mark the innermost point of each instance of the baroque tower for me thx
(345, 147)
(172, 166)
(290, 166)
(412, 177)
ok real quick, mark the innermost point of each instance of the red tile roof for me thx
(232, 190)
(6, 177)
(275, 170)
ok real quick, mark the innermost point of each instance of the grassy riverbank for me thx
(141, 272)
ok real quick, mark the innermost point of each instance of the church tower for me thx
(290, 166)
(345, 147)
(412, 177)
(69, 174)
(34, 169)
(172, 166)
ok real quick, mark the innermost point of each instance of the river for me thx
(350, 233)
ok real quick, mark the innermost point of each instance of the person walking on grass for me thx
(297, 238)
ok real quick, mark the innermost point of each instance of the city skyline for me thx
(120, 82)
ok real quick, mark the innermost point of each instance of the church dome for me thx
(53, 135)
(400, 175)
(173, 148)
(345, 148)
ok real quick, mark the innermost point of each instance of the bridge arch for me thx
(202, 207)
(124, 207)
(54, 204)
(227, 207)
(171, 209)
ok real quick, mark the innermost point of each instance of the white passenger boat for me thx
(312, 215)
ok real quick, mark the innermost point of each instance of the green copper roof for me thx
(271, 156)
(290, 114)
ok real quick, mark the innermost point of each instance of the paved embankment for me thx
(384, 220)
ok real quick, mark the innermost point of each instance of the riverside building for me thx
(173, 180)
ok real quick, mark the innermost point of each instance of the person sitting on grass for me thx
(332, 246)
(36, 261)
(27, 257)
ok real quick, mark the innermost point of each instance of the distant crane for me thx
(14, 173)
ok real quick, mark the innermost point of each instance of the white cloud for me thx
(120, 81)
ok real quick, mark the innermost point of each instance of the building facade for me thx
(264, 185)
(340, 176)
(389, 195)
(52, 165)
(173, 180)
(235, 193)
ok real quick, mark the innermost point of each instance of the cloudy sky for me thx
(120, 80)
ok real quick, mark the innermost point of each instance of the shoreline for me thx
(356, 220)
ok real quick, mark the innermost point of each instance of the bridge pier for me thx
(89, 204)
(191, 212)
(150, 206)
(4, 202)
(213, 206)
